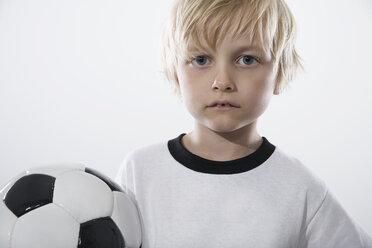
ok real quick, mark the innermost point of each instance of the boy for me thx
(223, 185)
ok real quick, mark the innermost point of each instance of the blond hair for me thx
(270, 22)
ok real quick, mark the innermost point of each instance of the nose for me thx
(223, 82)
(222, 86)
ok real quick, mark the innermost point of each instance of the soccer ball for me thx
(67, 207)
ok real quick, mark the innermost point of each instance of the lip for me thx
(232, 105)
(223, 107)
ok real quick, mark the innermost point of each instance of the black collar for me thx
(196, 163)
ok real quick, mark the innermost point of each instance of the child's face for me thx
(232, 74)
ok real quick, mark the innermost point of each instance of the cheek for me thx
(183, 81)
(194, 98)
(257, 92)
(191, 85)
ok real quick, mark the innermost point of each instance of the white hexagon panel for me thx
(67, 206)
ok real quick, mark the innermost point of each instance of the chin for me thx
(219, 128)
(228, 126)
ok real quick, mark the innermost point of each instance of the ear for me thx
(277, 83)
(178, 86)
(176, 74)
(276, 89)
(177, 81)
(278, 78)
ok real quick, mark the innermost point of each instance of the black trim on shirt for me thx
(199, 164)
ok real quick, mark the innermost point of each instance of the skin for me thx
(226, 74)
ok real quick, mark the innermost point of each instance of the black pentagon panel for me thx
(100, 233)
(113, 186)
(30, 192)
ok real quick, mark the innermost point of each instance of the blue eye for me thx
(247, 60)
(201, 60)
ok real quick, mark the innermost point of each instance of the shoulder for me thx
(298, 181)
(293, 173)
(150, 151)
(146, 154)
(293, 167)
(135, 159)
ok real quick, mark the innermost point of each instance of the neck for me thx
(218, 146)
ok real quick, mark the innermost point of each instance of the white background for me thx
(80, 82)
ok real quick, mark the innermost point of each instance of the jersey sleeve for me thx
(120, 177)
(124, 176)
(332, 227)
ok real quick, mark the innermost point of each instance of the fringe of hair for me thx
(205, 23)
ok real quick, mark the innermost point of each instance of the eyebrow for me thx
(238, 50)
(249, 48)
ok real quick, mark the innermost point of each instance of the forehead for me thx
(229, 44)
(232, 32)
(226, 41)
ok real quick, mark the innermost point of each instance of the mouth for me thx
(223, 104)
(223, 107)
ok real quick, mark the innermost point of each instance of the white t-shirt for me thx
(267, 199)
